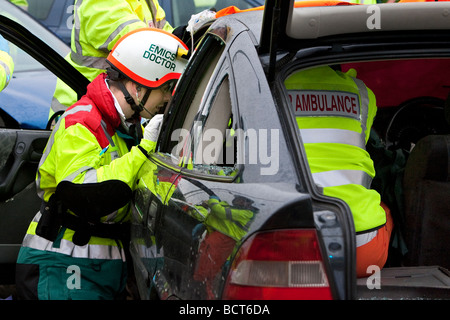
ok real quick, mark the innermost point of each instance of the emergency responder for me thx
(335, 113)
(96, 141)
(6, 63)
(98, 24)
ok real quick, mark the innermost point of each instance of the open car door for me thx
(21, 149)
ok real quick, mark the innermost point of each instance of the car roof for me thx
(317, 19)
(292, 25)
(314, 22)
(314, 19)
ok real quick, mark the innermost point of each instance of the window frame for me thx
(213, 59)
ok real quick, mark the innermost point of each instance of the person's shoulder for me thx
(84, 112)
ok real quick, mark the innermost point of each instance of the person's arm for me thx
(77, 157)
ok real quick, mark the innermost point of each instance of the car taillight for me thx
(282, 264)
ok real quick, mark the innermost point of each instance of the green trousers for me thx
(46, 275)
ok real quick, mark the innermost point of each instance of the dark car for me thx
(227, 207)
(21, 147)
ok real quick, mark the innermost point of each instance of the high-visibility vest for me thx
(87, 149)
(97, 27)
(6, 69)
(335, 112)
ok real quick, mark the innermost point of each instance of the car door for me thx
(166, 204)
(204, 166)
(21, 149)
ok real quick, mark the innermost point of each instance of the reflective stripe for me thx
(90, 176)
(156, 24)
(364, 95)
(57, 106)
(72, 176)
(335, 178)
(90, 251)
(364, 238)
(89, 61)
(77, 26)
(96, 62)
(114, 34)
(332, 136)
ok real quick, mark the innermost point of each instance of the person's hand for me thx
(152, 129)
(199, 19)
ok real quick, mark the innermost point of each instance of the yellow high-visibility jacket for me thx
(85, 147)
(335, 112)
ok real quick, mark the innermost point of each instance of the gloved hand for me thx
(4, 46)
(152, 129)
(199, 19)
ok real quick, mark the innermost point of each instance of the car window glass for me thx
(23, 62)
(26, 100)
(209, 146)
(203, 119)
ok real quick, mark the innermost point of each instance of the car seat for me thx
(426, 186)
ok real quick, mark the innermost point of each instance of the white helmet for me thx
(150, 57)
